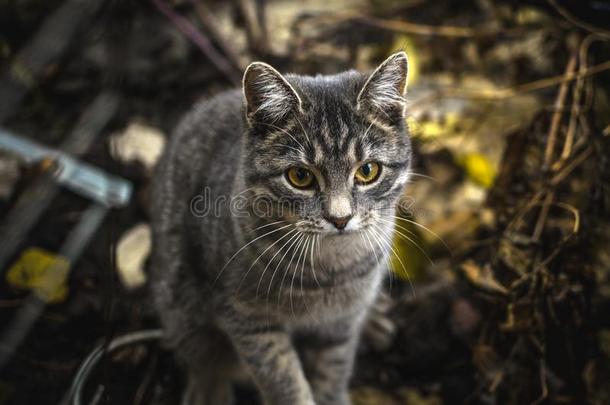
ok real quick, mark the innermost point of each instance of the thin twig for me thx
(535, 200)
(253, 13)
(574, 115)
(571, 166)
(421, 29)
(544, 212)
(577, 21)
(199, 40)
(558, 247)
(502, 94)
(558, 111)
(405, 27)
(209, 23)
(577, 110)
(543, 385)
(560, 102)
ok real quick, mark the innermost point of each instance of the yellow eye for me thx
(300, 177)
(367, 173)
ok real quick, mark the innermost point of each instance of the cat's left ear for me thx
(269, 97)
(383, 94)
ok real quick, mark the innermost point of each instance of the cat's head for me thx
(331, 152)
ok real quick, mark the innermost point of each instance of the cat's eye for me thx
(300, 177)
(367, 173)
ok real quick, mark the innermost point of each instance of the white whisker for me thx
(407, 238)
(296, 270)
(300, 241)
(385, 252)
(423, 176)
(424, 228)
(389, 245)
(309, 237)
(260, 255)
(284, 132)
(266, 225)
(311, 259)
(262, 276)
(299, 236)
(303, 129)
(245, 246)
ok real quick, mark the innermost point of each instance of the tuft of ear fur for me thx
(269, 97)
(383, 94)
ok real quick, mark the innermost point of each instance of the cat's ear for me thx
(383, 94)
(269, 97)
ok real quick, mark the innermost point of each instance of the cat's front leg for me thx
(267, 351)
(328, 354)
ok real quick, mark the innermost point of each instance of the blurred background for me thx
(501, 268)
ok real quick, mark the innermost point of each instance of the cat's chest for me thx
(316, 303)
(339, 278)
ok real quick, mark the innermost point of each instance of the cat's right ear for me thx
(269, 97)
(383, 95)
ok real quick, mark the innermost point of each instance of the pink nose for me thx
(339, 223)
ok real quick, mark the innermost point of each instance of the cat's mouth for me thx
(331, 232)
(355, 225)
(346, 231)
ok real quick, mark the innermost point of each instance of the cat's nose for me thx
(339, 223)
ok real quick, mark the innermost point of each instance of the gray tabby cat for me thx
(274, 270)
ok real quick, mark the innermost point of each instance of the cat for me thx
(274, 281)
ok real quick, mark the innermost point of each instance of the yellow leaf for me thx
(40, 271)
(479, 169)
(434, 128)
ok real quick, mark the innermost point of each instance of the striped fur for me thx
(275, 290)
